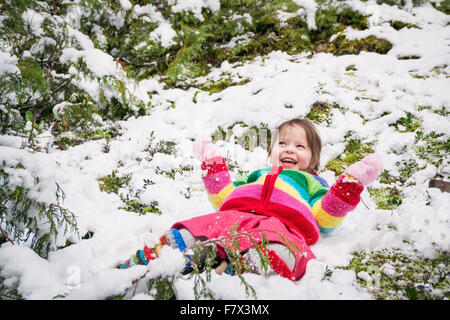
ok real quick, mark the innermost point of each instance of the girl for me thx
(288, 204)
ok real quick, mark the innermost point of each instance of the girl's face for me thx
(291, 149)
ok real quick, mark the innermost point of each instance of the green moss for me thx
(354, 151)
(440, 69)
(398, 25)
(81, 135)
(442, 111)
(432, 147)
(340, 45)
(332, 20)
(294, 41)
(409, 123)
(141, 208)
(406, 169)
(202, 44)
(320, 111)
(388, 198)
(214, 87)
(386, 178)
(444, 6)
(162, 146)
(411, 276)
(173, 172)
(418, 76)
(398, 3)
(112, 183)
(411, 57)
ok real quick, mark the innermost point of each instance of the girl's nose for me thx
(289, 148)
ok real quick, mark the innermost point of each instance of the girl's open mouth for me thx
(288, 163)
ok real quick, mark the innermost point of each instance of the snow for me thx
(33, 19)
(164, 34)
(309, 8)
(195, 6)
(99, 62)
(85, 269)
(8, 63)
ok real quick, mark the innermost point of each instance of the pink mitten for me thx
(205, 149)
(367, 170)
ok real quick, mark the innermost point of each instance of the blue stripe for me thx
(326, 230)
(322, 181)
(181, 245)
(179, 241)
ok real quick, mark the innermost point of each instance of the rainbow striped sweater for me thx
(301, 200)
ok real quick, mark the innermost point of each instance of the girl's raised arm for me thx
(216, 176)
(344, 195)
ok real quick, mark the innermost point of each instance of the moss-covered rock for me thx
(341, 45)
(398, 25)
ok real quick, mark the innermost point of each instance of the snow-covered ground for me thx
(381, 88)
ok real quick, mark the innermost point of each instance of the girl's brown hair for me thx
(314, 141)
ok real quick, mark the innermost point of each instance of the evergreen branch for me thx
(138, 63)
(59, 88)
(286, 241)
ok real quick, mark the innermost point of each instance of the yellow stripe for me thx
(286, 187)
(324, 219)
(219, 198)
(157, 249)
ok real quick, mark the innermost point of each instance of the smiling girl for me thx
(288, 203)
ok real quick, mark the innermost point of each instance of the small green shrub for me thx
(411, 276)
(113, 183)
(432, 147)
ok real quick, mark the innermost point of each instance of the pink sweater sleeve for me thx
(340, 199)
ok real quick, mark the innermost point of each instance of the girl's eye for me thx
(301, 146)
(282, 143)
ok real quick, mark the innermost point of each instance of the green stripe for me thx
(305, 179)
(318, 195)
(238, 183)
(256, 174)
(299, 186)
